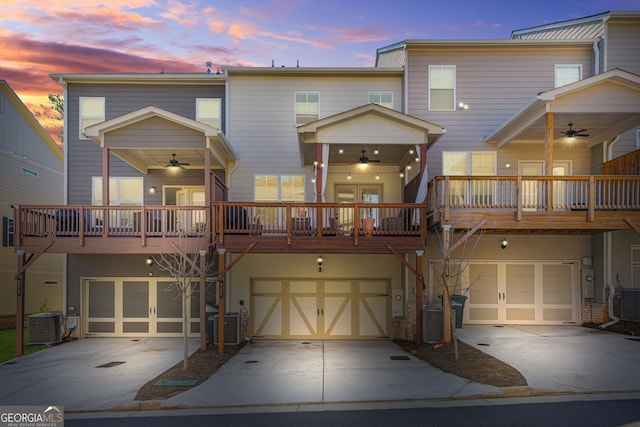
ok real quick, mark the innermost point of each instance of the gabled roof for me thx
(367, 127)
(145, 155)
(433, 131)
(607, 104)
(146, 113)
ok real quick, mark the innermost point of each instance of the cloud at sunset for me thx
(42, 37)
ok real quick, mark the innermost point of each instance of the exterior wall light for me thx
(320, 260)
(504, 243)
(149, 261)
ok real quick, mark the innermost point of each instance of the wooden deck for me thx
(505, 204)
(536, 204)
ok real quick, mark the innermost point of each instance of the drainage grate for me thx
(483, 343)
(9, 363)
(176, 383)
(306, 342)
(630, 339)
(251, 361)
(110, 365)
(400, 358)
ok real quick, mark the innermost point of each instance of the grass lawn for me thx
(8, 344)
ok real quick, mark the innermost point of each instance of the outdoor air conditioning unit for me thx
(45, 328)
(432, 319)
(231, 328)
(630, 305)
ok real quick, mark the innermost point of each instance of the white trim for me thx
(555, 73)
(295, 104)
(81, 133)
(454, 87)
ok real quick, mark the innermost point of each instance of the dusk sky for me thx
(41, 37)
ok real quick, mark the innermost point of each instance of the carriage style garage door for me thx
(522, 293)
(320, 309)
(136, 307)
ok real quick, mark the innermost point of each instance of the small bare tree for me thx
(184, 267)
(451, 275)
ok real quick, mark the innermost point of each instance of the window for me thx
(475, 163)
(122, 191)
(307, 107)
(7, 231)
(442, 87)
(381, 98)
(91, 112)
(638, 139)
(277, 188)
(209, 111)
(565, 74)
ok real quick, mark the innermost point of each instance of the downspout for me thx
(607, 248)
(65, 192)
(596, 61)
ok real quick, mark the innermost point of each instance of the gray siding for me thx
(496, 83)
(85, 157)
(262, 121)
(623, 47)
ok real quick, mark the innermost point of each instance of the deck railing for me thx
(535, 193)
(225, 218)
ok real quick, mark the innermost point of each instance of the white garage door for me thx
(320, 309)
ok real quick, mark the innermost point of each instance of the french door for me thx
(137, 307)
(357, 193)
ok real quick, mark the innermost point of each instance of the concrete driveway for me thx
(279, 372)
(555, 358)
(70, 375)
(562, 358)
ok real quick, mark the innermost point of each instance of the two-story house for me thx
(31, 173)
(557, 100)
(332, 199)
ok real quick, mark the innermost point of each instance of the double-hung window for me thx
(91, 112)
(277, 188)
(209, 111)
(567, 73)
(381, 98)
(474, 163)
(123, 191)
(307, 107)
(442, 87)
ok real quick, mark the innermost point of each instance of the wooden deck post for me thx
(548, 145)
(446, 295)
(20, 298)
(419, 297)
(203, 296)
(221, 303)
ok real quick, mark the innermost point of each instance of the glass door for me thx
(357, 193)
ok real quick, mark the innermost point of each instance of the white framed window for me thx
(470, 163)
(209, 111)
(307, 107)
(567, 73)
(122, 191)
(91, 112)
(279, 188)
(442, 87)
(381, 98)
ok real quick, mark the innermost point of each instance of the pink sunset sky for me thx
(41, 37)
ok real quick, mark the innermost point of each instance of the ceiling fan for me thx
(174, 163)
(572, 132)
(365, 159)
